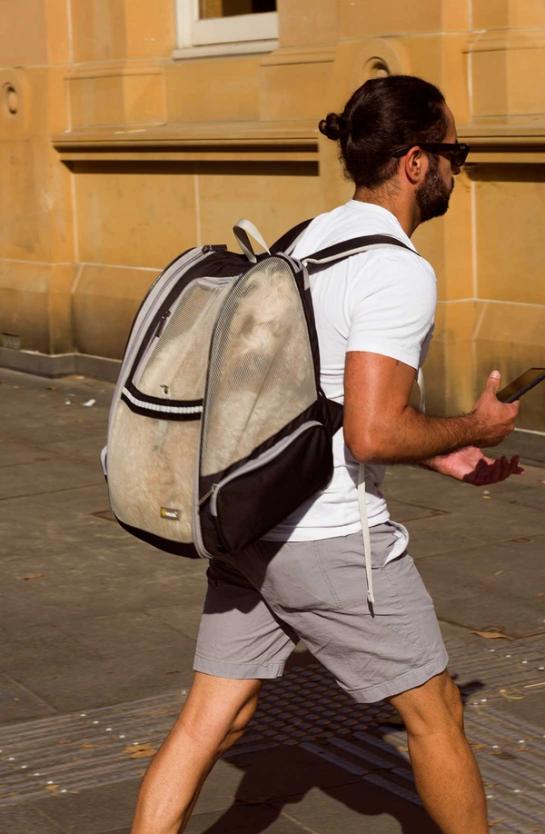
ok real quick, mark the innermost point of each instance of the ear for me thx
(415, 165)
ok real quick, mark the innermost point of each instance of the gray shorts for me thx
(280, 592)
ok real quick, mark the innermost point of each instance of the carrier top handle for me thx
(243, 230)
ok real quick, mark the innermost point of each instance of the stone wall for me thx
(119, 149)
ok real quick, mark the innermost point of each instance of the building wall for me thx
(117, 151)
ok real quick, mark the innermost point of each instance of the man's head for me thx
(396, 133)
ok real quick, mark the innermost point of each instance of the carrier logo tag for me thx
(170, 513)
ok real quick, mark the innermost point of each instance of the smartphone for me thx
(521, 385)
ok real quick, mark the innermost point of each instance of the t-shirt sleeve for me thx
(392, 306)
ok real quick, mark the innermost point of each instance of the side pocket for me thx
(255, 498)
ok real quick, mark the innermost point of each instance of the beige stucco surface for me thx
(117, 151)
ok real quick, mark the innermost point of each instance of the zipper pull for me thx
(211, 492)
(161, 325)
(213, 505)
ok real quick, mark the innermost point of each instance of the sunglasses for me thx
(457, 152)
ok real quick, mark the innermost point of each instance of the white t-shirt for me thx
(382, 301)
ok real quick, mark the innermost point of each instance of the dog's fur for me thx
(264, 376)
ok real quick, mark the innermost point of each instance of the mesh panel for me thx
(176, 368)
(261, 367)
(151, 468)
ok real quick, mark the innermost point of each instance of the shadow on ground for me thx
(309, 749)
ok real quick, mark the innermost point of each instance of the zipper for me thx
(152, 344)
(256, 463)
(161, 325)
(157, 295)
(207, 495)
(159, 299)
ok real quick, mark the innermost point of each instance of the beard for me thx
(433, 195)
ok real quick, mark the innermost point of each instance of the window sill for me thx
(213, 50)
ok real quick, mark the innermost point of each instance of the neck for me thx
(401, 205)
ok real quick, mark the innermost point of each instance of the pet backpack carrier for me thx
(218, 427)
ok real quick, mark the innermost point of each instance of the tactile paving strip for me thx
(65, 754)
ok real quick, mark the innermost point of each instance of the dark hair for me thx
(384, 114)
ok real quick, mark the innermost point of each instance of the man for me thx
(374, 317)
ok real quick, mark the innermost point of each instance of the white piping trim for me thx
(168, 409)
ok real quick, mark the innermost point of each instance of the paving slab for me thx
(184, 618)
(244, 819)
(20, 650)
(15, 480)
(18, 703)
(413, 485)
(356, 808)
(86, 682)
(23, 820)
(92, 811)
(481, 526)
(284, 772)
(501, 585)
(530, 447)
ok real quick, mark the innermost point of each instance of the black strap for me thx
(352, 247)
(337, 252)
(288, 238)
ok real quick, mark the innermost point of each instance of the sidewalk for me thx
(98, 633)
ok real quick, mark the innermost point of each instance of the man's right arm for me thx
(381, 426)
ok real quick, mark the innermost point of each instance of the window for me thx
(208, 27)
(229, 8)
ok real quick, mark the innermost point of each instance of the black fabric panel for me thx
(159, 415)
(177, 548)
(161, 400)
(249, 506)
(335, 412)
(211, 536)
(288, 237)
(317, 411)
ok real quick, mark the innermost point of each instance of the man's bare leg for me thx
(213, 718)
(445, 771)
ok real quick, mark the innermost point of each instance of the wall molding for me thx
(494, 143)
(230, 141)
(60, 364)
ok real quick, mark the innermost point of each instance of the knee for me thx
(238, 725)
(454, 703)
(435, 708)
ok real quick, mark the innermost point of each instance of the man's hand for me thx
(470, 465)
(494, 419)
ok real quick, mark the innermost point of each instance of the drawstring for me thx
(422, 389)
(362, 501)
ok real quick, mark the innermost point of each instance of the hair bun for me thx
(334, 126)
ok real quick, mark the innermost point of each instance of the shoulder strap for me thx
(286, 244)
(354, 246)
